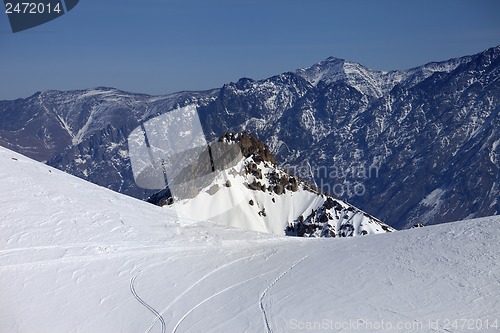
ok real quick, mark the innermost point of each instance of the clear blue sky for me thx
(163, 46)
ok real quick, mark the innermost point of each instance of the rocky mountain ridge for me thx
(254, 193)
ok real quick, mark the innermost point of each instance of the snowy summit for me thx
(255, 194)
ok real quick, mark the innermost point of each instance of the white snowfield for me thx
(75, 257)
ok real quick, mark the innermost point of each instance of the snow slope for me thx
(75, 257)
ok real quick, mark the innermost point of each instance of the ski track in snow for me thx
(70, 245)
(264, 293)
(217, 294)
(146, 305)
(222, 291)
(196, 284)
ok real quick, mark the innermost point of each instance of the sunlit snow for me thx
(75, 257)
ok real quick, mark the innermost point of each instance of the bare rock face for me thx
(250, 146)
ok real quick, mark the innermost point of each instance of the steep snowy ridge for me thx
(334, 70)
(76, 257)
(258, 195)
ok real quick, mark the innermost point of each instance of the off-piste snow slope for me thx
(75, 257)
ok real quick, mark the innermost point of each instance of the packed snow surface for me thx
(75, 257)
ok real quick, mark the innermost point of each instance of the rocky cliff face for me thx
(415, 146)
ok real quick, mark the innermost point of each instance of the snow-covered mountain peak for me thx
(333, 70)
(258, 195)
(329, 70)
(375, 83)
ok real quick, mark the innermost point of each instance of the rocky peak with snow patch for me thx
(258, 195)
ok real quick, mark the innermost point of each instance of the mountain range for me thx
(412, 146)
